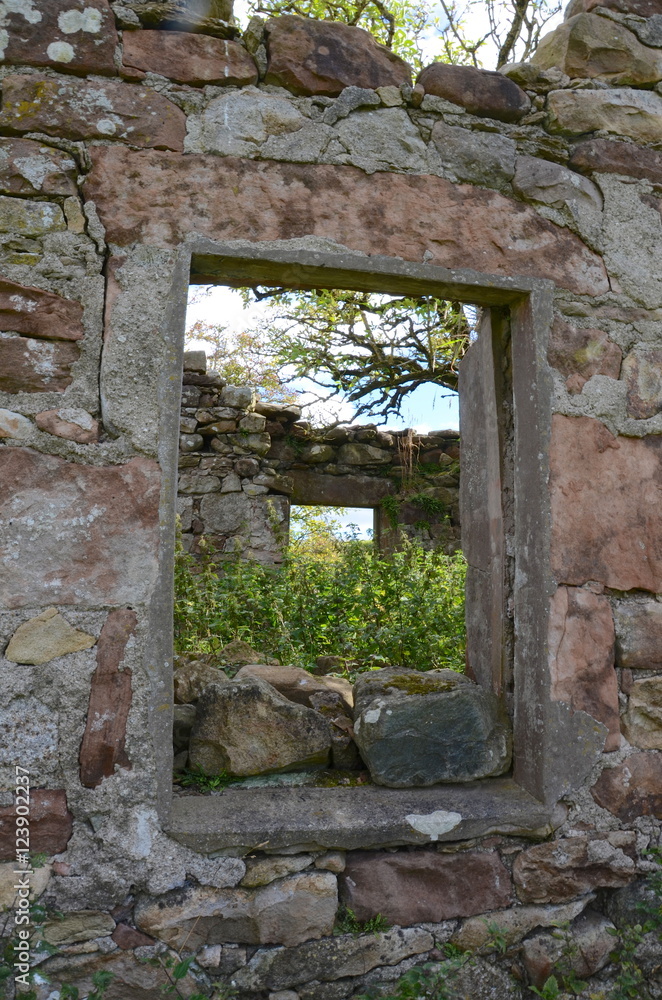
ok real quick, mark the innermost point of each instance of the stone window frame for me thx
(546, 733)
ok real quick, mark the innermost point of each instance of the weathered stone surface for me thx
(38, 313)
(480, 91)
(182, 722)
(642, 721)
(262, 871)
(514, 924)
(416, 728)
(606, 515)
(592, 46)
(642, 374)
(332, 959)
(324, 57)
(383, 140)
(127, 938)
(30, 218)
(363, 454)
(69, 422)
(189, 58)
(632, 789)
(642, 8)
(245, 727)
(474, 157)
(296, 684)
(14, 425)
(51, 824)
(562, 869)
(102, 749)
(29, 365)
(581, 657)
(409, 888)
(633, 113)
(192, 674)
(610, 156)
(70, 36)
(131, 978)
(78, 109)
(81, 926)
(209, 17)
(551, 185)
(237, 124)
(579, 353)
(481, 980)
(638, 634)
(44, 637)
(39, 880)
(288, 912)
(592, 941)
(94, 540)
(405, 216)
(28, 168)
(350, 491)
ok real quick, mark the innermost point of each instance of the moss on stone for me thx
(420, 684)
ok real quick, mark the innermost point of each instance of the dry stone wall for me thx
(123, 153)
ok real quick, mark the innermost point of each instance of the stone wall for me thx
(134, 158)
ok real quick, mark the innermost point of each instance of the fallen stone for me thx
(239, 653)
(14, 425)
(192, 674)
(414, 887)
(584, 949)
(287, 912)
(464, 226)
(69, 422)
(632, 789)
(262, 871)
(31, 168)
(642, 720)
(469, 157)
(102, 748)
(633, 113)
(579, 353)
(514, 924)
(332, 959)
(581, 657)
(189, 58)
(642, 374)
(610, 156)
(39, 880)
(562, 869)
(82, 926)
(38, 313)
(419, 729)
(604, 525)
(588, 46)
(51, 824)
(28, 365)
(323, 57)
(296, 684)
(44, 638)
(81, 109)
(482, 92)
(638, 634)
(69, 36)
(245, 727)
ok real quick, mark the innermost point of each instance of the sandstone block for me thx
(71, 554)
(579, 353)
(287, 912)
(189, 58)
(324, 57)
(642, 8)
(480, 91)
(396, 215)
(82, 926)
(363, 454)
(245, 727)
(192, 674)
(606, 518)
(638, 634)
(31, 168)
(547, 183)
(333, 959)
(514, 924)
(419, 729)
(258, 443)
(127, 938)
(28, 365)
(195, 361)
(70, 36)
(581, 657)
(474, 157)
(642, 721)
(30, 218)
(45, 637)
(262, 871)
(78, 109)
(14, 425)
(413, 887)
(209, 17)
(588, 46)
(642, 374)
(592, 943)
(633, 113)
(38, 883)
(51, 824)
(38, 313)
(613, 157)
(562, 869)
(632, 789)
(102, 747)
(69, 422)
(296, 684)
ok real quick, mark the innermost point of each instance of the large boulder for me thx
(192, 674)
(246, 727)
(298, 685)
(419, 729)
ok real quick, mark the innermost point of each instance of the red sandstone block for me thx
(632, 789)
(189, 58)
(28, 365)
(569, 867)
(28, 168)
(51, 824)
(70, 36)
(38, 313)
(612, 157)
(480, 91)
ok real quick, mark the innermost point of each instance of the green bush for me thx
(330, 597)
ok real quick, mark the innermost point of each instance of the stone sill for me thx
(294, 819)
